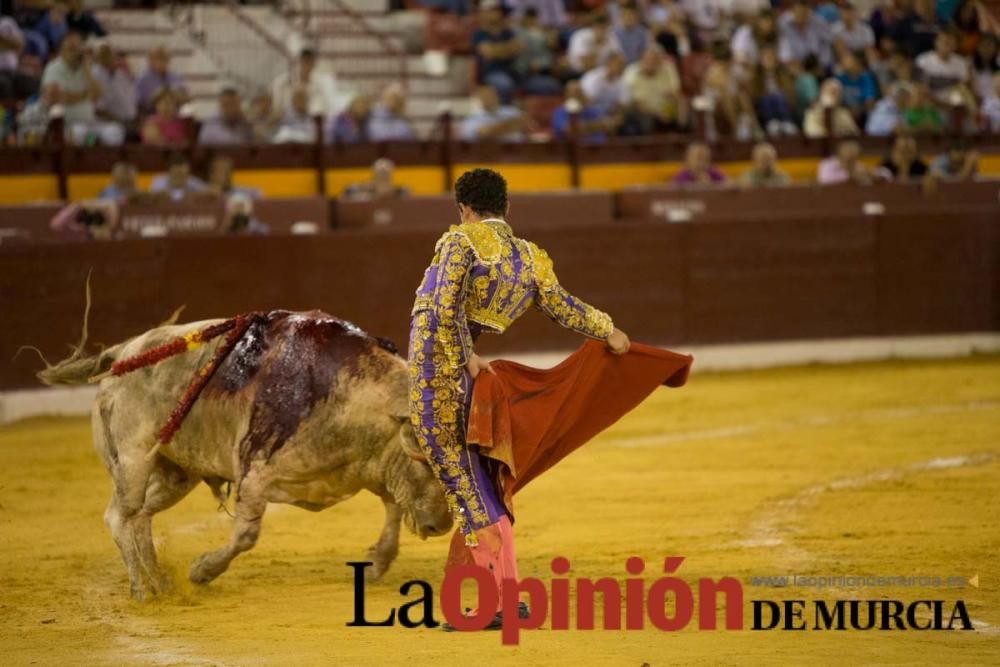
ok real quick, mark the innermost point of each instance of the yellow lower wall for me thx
(421, 180)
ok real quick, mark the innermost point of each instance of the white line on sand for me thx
(768, 529)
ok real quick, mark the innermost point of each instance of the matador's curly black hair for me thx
(482, 190)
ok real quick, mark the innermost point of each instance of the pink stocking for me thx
(495, 552)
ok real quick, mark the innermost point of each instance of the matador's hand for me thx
(477, 364)
(618, 341)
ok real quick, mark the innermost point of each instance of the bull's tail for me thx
(77, 368)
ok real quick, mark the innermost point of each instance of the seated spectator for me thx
(807, 83)
(850, 34)
(604, 85)
(802, 33)
(157, 76)
(493, 120)
(219, 179)
(321, 87)
(763, 171)
(880, 62)
(380, 186)
(844, 166)
(178, 183)
(229, 126)
(945, 71)
(991, 107)
(748, 40)
(53, 27)
(262, 118)
(985, 65)
(903, 164)
(122, 186)
(297, 126)
(922, 116)
(772, 88)
(80, 20)
(590, 46)
(550, 13)
(592, 124)
(351, 125)
(958, 164)
(496, 48)
(118, 95)
(77, 90)
(33, 121)
(94, 219)
(653, 93)
(678, 40)
(387, 122)
(860, 90)
(830, 101)
(900, 71)
(732, 109)
(658, 12)
(631, 35)
(14, 84)
(918, 28)
(165, 127)
(698, 169)
(537, 57)
(887, 115)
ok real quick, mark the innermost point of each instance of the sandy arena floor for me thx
(875, 469)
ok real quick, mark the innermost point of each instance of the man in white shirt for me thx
(589, 47)
(77, 91)
(604, 86)
(325, 97)
(944, 70)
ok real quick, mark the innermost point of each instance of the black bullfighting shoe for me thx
(496, 623)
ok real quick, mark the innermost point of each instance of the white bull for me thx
(306, 409)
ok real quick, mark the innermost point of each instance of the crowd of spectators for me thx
(754, 68)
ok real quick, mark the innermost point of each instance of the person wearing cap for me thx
(229, 126)
(322, 90)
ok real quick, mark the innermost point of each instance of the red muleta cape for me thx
(529, 419)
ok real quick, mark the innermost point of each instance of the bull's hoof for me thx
(203, 569)
(161, 583)
(379, 565)
(138, 593)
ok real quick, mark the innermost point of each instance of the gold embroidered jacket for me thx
(483, 278)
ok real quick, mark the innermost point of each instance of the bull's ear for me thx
(408, 441)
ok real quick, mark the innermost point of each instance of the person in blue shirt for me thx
(860, 87)
(593, 125)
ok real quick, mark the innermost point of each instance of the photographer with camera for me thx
(91, 219)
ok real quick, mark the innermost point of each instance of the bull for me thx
(303, 408)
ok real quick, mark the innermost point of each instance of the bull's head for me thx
(425, 510)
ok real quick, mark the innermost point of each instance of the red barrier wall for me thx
(693, 283)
